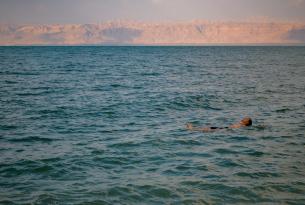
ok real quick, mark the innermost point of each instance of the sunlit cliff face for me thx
(199, 32)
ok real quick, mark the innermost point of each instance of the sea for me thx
(107, 125)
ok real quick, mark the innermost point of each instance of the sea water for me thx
(106, 125)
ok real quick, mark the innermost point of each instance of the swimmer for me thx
(247, 121)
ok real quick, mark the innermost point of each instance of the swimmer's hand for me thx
(189, 126)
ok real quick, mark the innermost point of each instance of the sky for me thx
(95, 11)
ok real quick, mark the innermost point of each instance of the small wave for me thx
(46, 199)
(260, 127)
(124, 145)
(32, 139)
(42, 169)
(257, 175)
(51, 111)
(150, 74)
(287, 188)
(22, 73)
(118, 191)
(283, 110)
(240, 138)
(95, 202)
(26, 167)
(98, 152)
(185, 169)
(228, 163)
(155, 191)
(224, 151)
(193, 154)
(112, 160)
(191, 102)
(8, 127)
(51, 160)
(205, 186)
(254, 153)
(35, 93)
(116, 85)
(187, 142)
(10, 82)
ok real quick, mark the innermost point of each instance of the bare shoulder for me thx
(235, 126)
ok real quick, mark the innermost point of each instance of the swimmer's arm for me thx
(234, 126)
(189, 126)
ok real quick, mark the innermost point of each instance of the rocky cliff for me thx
(195, 32)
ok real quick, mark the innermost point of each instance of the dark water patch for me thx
(151, 74)
(240, 138)
(19, 171)
(261, 127)
(284, 110)
(52, 112)
(257, 175)
(25, 73)
(33, 94)
(225, 151)
(187, 142)
(118, 191)
(190, 154)
(95, 202)
(8, 127)
(46, 198)
(193, 201)
(118, 86)
(33, 139)
(205, 186)
(155, 191)
(287, 188)
(98, 152)
(230, 194)
(254, 153)
(11, 172)
(269, 137)
(125, 145)
(193, 166)
(10, 82)
(115, 161)
(173, 172)
(6, 201)
(43, 169)
(228, 163)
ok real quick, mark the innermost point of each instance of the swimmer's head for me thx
(246, 121)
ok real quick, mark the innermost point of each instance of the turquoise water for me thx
(106, 125)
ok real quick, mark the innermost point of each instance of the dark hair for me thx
(250, 122)
(247, 121)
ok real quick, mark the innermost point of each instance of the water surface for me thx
(106, 125)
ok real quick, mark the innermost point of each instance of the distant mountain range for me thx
(170, 33)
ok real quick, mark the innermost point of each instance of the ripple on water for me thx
(224, 151)
(45, 168)
(228, 163)
(32, 139)
(258, 175)
(223, 193)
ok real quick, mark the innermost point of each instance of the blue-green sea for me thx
(106, 125)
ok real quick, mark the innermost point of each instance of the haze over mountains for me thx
(170, 33)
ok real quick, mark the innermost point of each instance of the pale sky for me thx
(94, 11)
